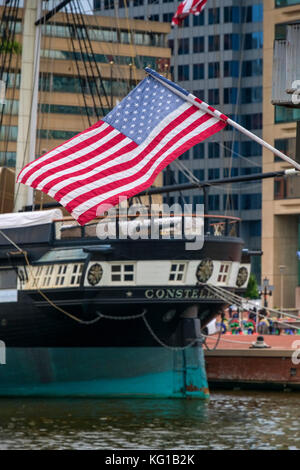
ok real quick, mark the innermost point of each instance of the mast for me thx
(28, 100)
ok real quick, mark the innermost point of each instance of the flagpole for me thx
(214, 112)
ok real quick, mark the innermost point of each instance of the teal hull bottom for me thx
(153, 372)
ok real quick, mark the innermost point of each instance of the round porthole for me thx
(242, 276)
(204, 270)
(95, 274)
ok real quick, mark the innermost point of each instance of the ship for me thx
(116, 317)
(84, 317)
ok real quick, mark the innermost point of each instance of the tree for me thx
(10, 46)
(252, 290)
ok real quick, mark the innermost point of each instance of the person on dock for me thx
(263, 326)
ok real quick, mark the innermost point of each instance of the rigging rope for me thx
(85, 29)
(233, 298)
(89, 79)
(80, 78)
(99, 314)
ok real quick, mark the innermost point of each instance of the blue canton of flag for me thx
(141, 111)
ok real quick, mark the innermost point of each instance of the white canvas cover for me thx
(28, 219)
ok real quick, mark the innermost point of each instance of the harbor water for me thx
(229, 420)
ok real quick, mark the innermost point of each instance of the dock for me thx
(235, 364)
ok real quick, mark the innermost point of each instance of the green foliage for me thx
(10, 46)
(252, 290)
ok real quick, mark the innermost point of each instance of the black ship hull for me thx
(116, 318)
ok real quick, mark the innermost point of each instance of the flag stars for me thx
(143, 110)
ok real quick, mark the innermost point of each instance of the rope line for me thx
(41, 292)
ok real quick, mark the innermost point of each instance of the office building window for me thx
(251, 121)
(230, 95)
(168, 177)
(183, 46)
(254, 228)
(230, 202)
(153, 18)
(199, 19)
(250, 170)
(214, 202)
(230, 172)
(167, 17)
(8, 159)
(108, 4)
(198, 71)
(214, 70)
(137, 3)
(186, 22)
(182, 178)
(252, 14)
(198, 44)
(214, 96)
(230, 150)
(213, 43)
(199, 199)
(231, 68)
(254, 40)
(213, 15)
(185, 155)
(285, 3)
(287, 146)
(183, 72)
(199, 174)
(231, 14)
(250, 201)
(213, 150)
(249, 148)
(252, 68)
(200, 94)
(283, 114)
(251, 95)
(231, 42)
(198, 151)
(213, 173)
(171, 45)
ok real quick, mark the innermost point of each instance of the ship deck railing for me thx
(168, 226)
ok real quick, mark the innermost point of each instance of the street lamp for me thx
(111, 83)
(266, 290)
(281, 270)
(130, 75)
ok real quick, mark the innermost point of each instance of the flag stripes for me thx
(101, 164)
(187, 7)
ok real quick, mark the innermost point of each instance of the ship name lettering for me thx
(173, 293)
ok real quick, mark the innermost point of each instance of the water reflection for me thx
(233, 420)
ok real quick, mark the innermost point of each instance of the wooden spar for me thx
(202, 184)
(208, 109)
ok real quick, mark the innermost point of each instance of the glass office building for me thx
(218, 57)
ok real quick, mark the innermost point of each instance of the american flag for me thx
(122, 154)
(185, 8)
